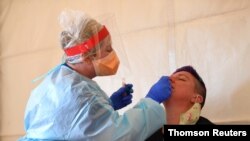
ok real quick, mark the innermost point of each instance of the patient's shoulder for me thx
(157, 136)
(203, 121)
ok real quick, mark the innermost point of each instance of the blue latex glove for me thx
(161, 90)
(122, 97)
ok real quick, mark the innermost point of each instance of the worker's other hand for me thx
(161, 90)
(122, 97)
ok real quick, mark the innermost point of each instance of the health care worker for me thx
(69, 105)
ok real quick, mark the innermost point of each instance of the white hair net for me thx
(77, 27)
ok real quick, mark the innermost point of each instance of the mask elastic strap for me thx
(196, 99)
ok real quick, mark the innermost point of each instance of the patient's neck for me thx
(173, 112)
(172, 115)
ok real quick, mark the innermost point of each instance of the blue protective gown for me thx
(69, 106)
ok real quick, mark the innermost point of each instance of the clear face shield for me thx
(99, 41)
(80, 37)
(116, 43)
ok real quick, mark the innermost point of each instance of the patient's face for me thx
(183, 84)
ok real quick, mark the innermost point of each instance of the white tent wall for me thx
(158, 36)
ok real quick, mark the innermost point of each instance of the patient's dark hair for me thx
(199, 84)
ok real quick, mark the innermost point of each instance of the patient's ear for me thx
(197, 98)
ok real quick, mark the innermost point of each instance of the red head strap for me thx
(87, 45)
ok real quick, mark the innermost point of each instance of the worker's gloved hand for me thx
(122, 97)
(161, 90)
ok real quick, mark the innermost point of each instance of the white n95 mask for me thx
(107, 65)
(192, 115)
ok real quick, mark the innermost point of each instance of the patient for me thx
(187, 99)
